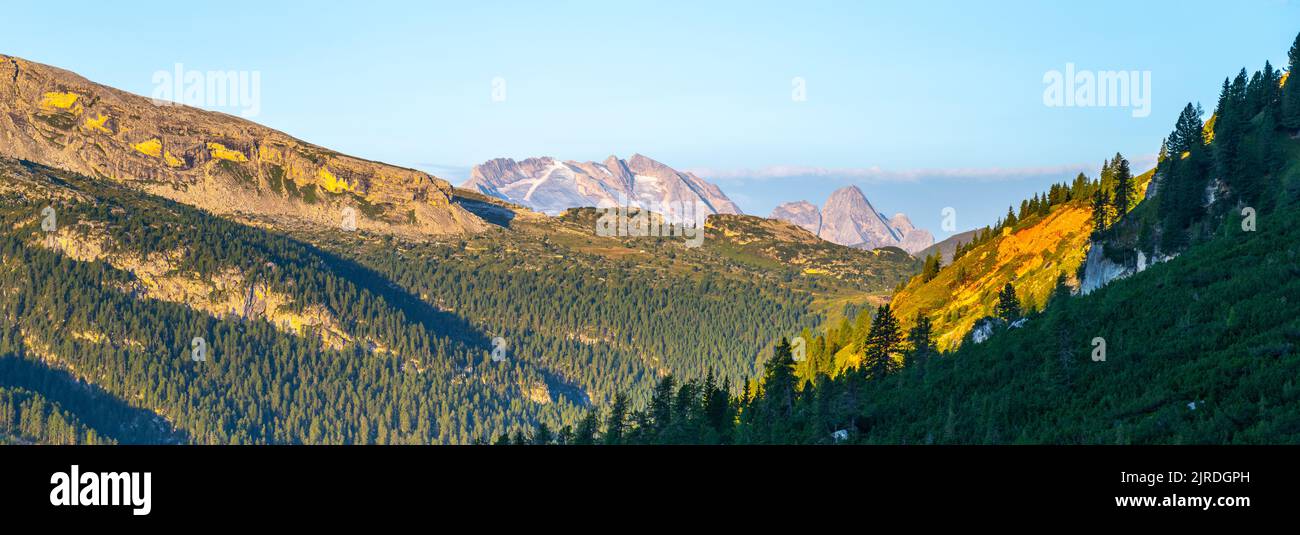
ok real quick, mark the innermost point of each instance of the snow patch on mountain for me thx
(552, 186)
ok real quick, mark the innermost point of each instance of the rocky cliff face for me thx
(802, 213)
(1098, 271)
(217, 162)
(848, 218)
(1099, 268)
(551, 186)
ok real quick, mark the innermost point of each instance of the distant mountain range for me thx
(552, 186)
(848, 218)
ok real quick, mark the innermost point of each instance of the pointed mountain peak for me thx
(848, 218)
(644, 164)
(849, 190)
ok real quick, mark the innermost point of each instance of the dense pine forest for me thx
(1199, 348)
(354, 338)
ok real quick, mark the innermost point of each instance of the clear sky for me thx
(923, 104)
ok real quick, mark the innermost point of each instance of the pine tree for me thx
(921, 339)
(1123, 186)
(1230, 123)
(586, 431)
(1291, 93)
(542, 435)
(1107, 175)
(779, 380)
(716, 403)
(1100, 209)
(661, 403)
(1008, 307)
(615, 424)
(1189, 133)
(1272, 91)
(881, 343)
(1183, 179)
(933, 264)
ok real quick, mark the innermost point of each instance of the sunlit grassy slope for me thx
(1030, 256)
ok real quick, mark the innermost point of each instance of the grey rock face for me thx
(848, 218)
(552, 186)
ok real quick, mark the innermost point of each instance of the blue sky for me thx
(924, 105)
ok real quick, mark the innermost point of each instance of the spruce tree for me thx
(585, 434)
(881, 343)
(921, 340)
(661, 403)
(1291, 93)
(1100, 207)
(779, 380)
(542, 435)
(1183, 179)
(933, 264)
(1123, 186)
(615, 424)
(1008, 307)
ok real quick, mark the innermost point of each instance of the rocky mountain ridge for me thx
(211, 160)
(848, 218)
(552, 186)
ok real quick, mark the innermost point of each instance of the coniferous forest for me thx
(129, 318)
(1199, 349)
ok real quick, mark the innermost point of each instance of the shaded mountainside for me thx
(211, 160)
(352, 337)
(444, 315)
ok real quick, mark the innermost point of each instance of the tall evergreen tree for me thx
(933, 264)
(1008, 307)
(615, 423)
(1123, 186)
(1183, 179)
(779, 380)
(921, 340)
(881, 343)
(1231, 120)
(585, 434)
(1291, 93)
(1100, 210)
